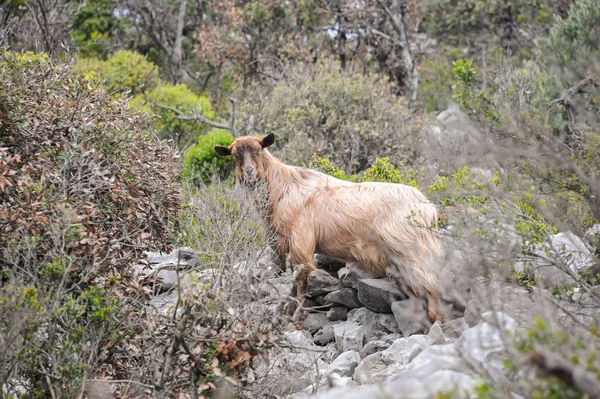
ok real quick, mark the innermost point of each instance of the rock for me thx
(570, 252)
(517, 302)
(378, 294)
(315, 321)
(320, 282)
(324, 336)
(403, 350)
(344, 364)
(374, 347)
(331, 265)
(268, 259)
(436, 335)
(348, 336)
(336, 381)
(345, 296)
(299, 337)
(164, 303)
(337, 313)
(350, 275)
(409, 316)
(367, 368)
(185, 257)
(376, 324)
(454, 328)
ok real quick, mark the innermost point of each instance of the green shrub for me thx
(123, 71)
(436, 79)
(182, 98)
(326, 166)
(382, 170)
(201, 161)
(577, 35)
(462, 188)
(320, 108)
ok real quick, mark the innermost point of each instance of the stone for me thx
(348, 336)
(321, 283)
(185, 257)
(454, 328)
(331, 265)
(403, 350)
(378, 294)
(345, 296)
(336, 381)
(367, 368)
(409, 316)
(324, 336)
(344, 364)
(376, 324)
(337, 313)
(350, 275)
(374, 347)
(567, 251)
(436, 335)
(315, 322)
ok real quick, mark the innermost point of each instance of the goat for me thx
(385, 228)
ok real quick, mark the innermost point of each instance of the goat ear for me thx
(267, 141)
(222, 151)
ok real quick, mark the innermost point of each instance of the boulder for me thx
(566, 252)
(325, 335)
(344, 364)
(454, 328)
(409, 316)
(315, 322)
(349, 336)
(345, 296)
(375, 324)
(378, 294)
(374, 347)
(337, 313)
(321, 283)
(350, 275)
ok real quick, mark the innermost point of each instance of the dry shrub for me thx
(83, 191)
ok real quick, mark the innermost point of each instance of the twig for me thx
(123, 382)
(565, 97)
(195, 116)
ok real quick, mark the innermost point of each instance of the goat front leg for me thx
(302, 261)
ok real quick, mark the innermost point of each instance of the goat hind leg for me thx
(434, 306)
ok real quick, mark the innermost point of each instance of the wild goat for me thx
(384, 228)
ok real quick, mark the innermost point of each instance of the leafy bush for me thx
(319, 108)
(182, 98)
(436, 79)
(462, 188)
(123, 71)
(201, 161)
(382, 170)
(577, 34)
(326, 166)
(83, 192)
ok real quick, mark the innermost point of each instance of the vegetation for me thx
(109, 113)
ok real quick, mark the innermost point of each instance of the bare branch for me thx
(565, 98)
(409, 62)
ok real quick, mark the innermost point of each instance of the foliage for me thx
(201, 161)
(326, 166)
(182, 98)
(463, 187)
(474, 102)
(436, 79)
(93, 26)
(351, 117)
(83, 191)
(382, 170)
(123, 71)
(576, 34)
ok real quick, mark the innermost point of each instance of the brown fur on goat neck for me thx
(385, 228)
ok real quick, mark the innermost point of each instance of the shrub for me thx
(123, 71)
(462, 188)
(382, 170)
(201, 161)
(319, 108)
(83, 192)
(182, 98)
(326, 166)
